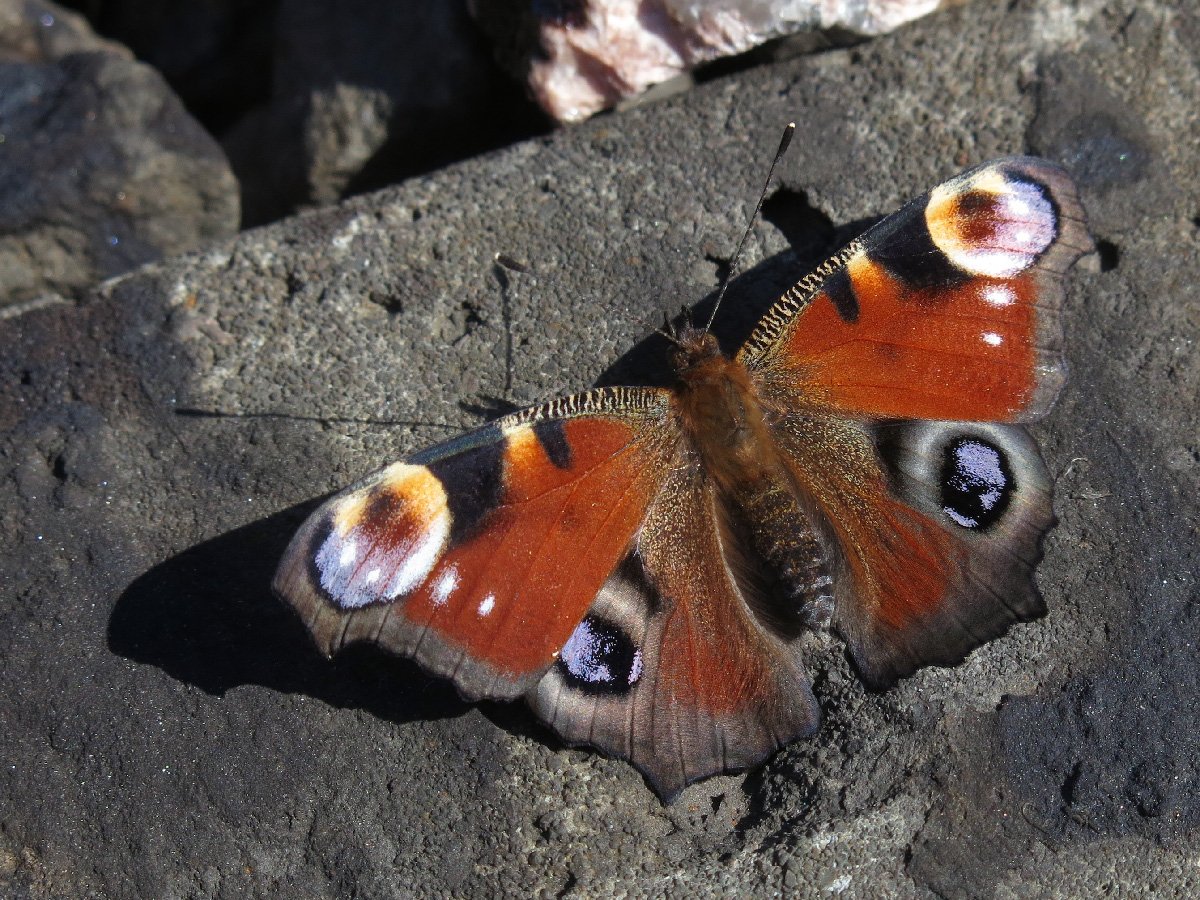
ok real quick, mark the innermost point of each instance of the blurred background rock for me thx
(101, 166)
(316, 99)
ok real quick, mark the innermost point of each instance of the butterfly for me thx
(640, 564)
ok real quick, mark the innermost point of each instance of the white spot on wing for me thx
(333, 563)
(635, 670)
(992, 263)
(584, 652)
(979, 472)
(444, 586)
(964, 521)
(363, 561)
(999, 295)
(419, 559)
(992, 339)
(1020, 225)
(487, 604)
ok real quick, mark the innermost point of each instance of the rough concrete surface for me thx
(166, 730)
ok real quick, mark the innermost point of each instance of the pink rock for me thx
(596, 53)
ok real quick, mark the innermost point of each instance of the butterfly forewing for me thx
(949, 309)
(480, 556)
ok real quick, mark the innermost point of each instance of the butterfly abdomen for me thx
(784, 571)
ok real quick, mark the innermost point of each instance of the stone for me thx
(41, 31)
(365, 94)
(168, 728)
(213, 53)
(587, 55)
(101, 168)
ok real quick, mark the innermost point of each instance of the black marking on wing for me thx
(976, 483)
(840, 289)
(552, 435)
(902, 244)
(474, 484)
(600, 658)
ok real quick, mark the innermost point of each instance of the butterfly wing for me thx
(876, 373)
(670, 669)
(480, 556)
(934, 530)
(948, 309)
(572, 553)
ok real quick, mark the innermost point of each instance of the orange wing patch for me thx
(481, 556)
(964, 353)
(512, 595)
(355, 565)
(946, 310)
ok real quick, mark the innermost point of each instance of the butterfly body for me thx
(759, 506)
(642, 563)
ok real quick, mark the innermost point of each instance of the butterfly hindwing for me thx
(933, 528)
(480, 556)
(988, 496)
(671, 669)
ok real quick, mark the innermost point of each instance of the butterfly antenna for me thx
(737, 254)
(668, 331)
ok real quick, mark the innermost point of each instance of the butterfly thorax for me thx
(771, 538)
(719, 410)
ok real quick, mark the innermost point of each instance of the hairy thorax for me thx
(772, 540)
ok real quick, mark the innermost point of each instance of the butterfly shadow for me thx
(207, 617)
(812, 239)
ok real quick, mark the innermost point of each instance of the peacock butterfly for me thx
(640, 563)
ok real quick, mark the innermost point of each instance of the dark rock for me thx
(40, 31)
(1107, 144)
(366, 94)
(215, 54)
(101, 169)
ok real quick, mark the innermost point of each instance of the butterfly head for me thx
(694, 348)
